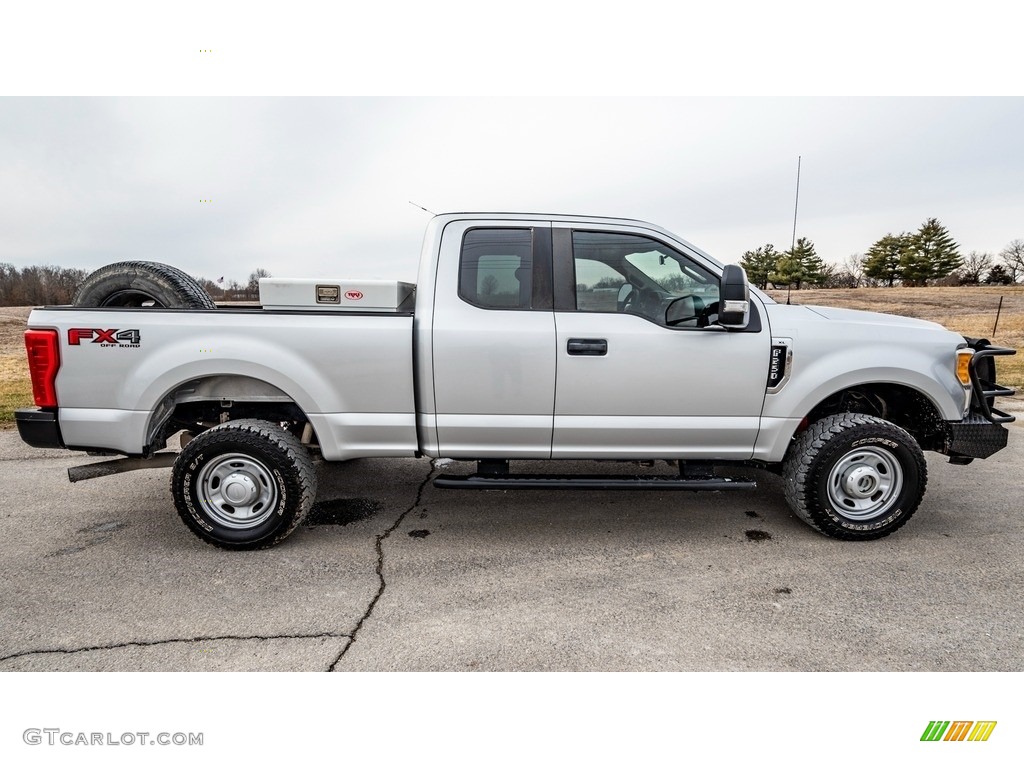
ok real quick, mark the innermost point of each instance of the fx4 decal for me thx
(105, 338)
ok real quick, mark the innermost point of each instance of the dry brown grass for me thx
(971, 311)
(15, 388)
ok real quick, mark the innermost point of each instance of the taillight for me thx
(43, 362)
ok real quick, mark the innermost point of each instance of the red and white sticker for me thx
(353, 295)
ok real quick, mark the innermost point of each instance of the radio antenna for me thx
(417, 205)
(796, 207)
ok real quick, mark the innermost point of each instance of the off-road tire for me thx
(840, 457)
(142, 284)
(223, 474)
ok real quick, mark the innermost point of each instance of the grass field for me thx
(15, 390)
(967, 310)
(970, 311)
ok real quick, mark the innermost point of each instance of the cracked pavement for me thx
(398, 575)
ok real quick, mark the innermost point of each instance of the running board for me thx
(591, 483)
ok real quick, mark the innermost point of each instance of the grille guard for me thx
(984, 389)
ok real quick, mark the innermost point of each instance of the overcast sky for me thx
(320, 186)
(318, 183)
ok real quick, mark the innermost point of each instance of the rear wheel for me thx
(142, 284)
(244, 484)
(855, 477)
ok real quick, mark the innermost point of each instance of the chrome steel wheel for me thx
(237, 491)
(865, 483)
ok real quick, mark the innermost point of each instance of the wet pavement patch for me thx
(105, 531)
(751, 513)
(783, 591)
(107, 527)
(342, 511)
(420, 534)
(758, 535)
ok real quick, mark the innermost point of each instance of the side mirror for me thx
(733, 298)
(684, 309)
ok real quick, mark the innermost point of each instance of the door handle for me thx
(588, 347)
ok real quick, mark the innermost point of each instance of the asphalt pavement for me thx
(394, 574)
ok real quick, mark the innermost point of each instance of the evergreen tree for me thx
(998, 276)
(799, 265)
(882, 260)
(933, 254)
(788, 271)
(814, 268)
(759, 264)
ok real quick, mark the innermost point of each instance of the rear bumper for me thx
(38, 428)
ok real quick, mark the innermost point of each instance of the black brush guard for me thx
(984, 389)
(981, 433)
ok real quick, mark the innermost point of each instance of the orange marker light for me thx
(963, 366)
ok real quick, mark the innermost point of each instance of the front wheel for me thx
(244, 484)
(855, 477)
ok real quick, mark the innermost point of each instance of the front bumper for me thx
(39, 428)
(975, 437)
(981, 433)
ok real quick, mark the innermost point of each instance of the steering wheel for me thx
(627, 298)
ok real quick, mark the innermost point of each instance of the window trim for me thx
(564, 268)
(541, 277)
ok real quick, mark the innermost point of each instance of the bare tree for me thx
(253, 287)
(975, 267)
(489, 286)
(853, 266)
(1013, 259)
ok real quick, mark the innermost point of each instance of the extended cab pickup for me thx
(527, 336)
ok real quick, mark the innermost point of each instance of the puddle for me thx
(342, 511)
(758, 535)
(420, 534)
(751, 513)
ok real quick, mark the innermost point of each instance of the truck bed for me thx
(351, 372)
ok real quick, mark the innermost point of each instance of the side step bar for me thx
(590, 483)
(493, 474)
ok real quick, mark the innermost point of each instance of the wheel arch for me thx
(202, 400)
(903, 405)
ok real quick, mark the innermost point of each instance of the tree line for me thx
(35, 286)
(929, 256)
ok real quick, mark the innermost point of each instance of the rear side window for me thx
(496, 268)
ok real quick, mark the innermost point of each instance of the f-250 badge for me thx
(105, 338)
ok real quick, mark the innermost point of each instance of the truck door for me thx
(494, 341)
(630, 385)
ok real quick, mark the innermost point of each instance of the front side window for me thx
(630, 273)
(496, 268)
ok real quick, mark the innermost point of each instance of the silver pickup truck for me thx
(527, 336)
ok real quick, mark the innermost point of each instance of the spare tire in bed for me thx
(142, 284)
